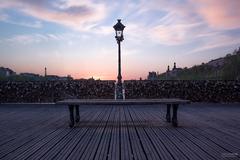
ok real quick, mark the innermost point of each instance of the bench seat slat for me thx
(122, 102)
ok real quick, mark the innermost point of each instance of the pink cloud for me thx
(176, 34)
(192, 20)
(75, 15)
(222, 14)
(216, 42)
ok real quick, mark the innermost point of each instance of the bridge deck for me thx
(206, 131)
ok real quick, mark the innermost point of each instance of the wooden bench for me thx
(75, 103)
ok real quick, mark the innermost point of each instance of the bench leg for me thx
(174, 118)
(168, 115)
(77, 113)
(71, 123)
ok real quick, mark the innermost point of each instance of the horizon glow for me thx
(76, 37)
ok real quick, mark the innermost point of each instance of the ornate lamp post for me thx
(119, 27)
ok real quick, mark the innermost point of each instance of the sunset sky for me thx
(76, 37)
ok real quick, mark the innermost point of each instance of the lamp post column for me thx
(119, 27)
(119, 63)
(119, 83)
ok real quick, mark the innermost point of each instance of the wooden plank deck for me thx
(206, 131)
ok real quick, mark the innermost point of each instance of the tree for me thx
(231, 69)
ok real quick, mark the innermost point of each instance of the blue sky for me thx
(76, 36)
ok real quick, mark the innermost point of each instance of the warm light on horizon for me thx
(77, 38)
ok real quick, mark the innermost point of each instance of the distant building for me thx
(6, 72)
(167, 72)
(52, 77)
(69, 77)
(32, 75)
(168, 75)
(216, 62)
(55, 77)
(45, 71)
(168, 69)
(238, 52)
(152, 76)
(58, 78)
(174, 72)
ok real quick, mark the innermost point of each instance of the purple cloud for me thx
(69, 13)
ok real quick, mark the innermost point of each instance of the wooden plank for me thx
(25, 139)
(84, 132)
(171, 146)
(128, 132)
(160, 148)
(102, 153)
(181, 139)
(26, 120)
(35, 151)
(25, 129)
(114, 146)
(50, 145)
(204, 143)
(126, 148)
(83, 148)
(37, 148)
(234, 132)
(137, 149)
(150, 151)
(98, 136)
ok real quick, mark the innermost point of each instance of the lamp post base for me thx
(119, 90)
